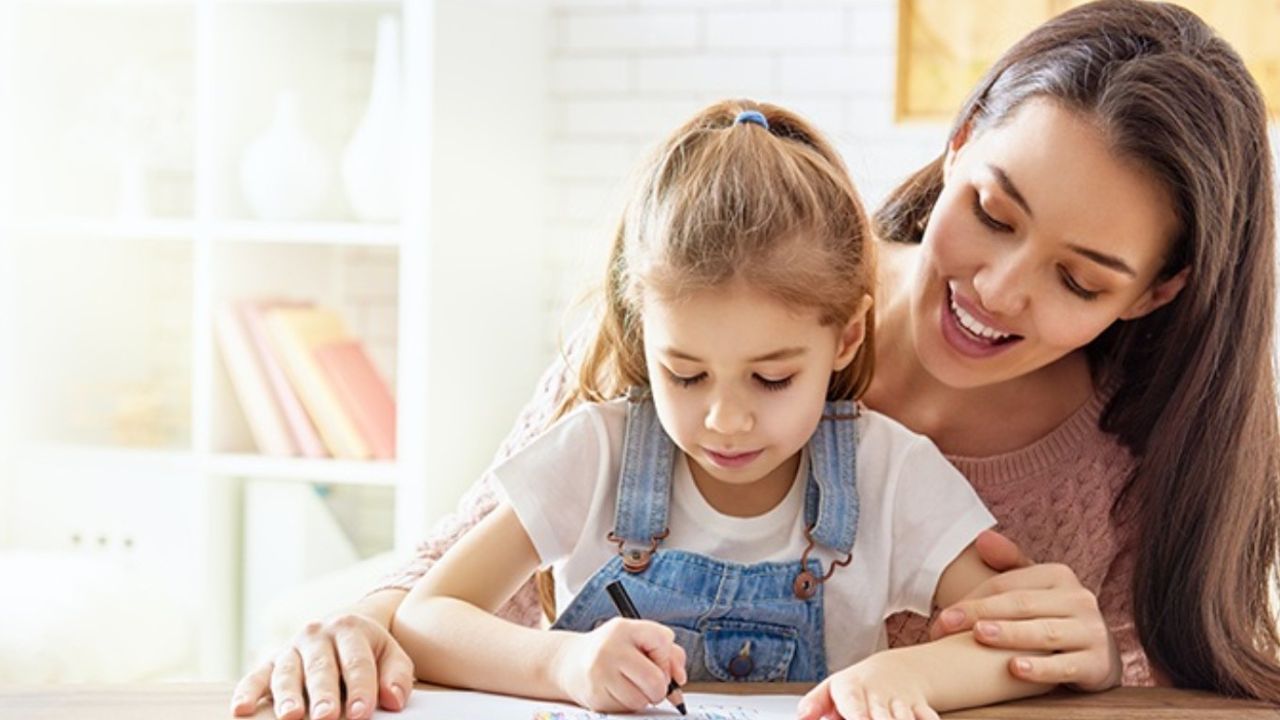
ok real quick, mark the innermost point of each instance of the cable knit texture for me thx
(1053, 498)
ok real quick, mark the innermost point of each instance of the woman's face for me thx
(1041, 239)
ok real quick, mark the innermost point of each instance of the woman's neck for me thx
(974, 421)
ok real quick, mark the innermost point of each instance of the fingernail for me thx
(398, 694)
(239, 701)
(357, 709)
(322, 708)
(285, 707)
(952, 617)
(987, 629)
(1023, 665)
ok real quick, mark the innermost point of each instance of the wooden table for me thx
(200, 701)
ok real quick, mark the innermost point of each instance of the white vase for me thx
(284, 174)
(371, 170)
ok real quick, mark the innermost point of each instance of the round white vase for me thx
(284, 174)
(371, 170)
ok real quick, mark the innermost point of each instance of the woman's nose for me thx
(1001, 285)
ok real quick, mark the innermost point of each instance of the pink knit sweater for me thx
(1052, 497)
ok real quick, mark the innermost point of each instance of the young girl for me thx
(719, 465)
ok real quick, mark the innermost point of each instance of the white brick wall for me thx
(624, 73)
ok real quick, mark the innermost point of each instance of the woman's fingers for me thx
(359, 671)
(1076, 668)
(395, 675)
(320, 673)
(252, 689)
(286, 686)
(1040, 634)
(999, 552)
(1048, 590)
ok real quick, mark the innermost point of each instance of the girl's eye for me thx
(768, 384)
(1075, 287)
(684, 381)
(986, 219)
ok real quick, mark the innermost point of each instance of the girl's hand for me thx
(1036, 608)
(621, 666)
(880, 688)
(350, 648)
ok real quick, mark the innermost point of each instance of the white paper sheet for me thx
(465, 705)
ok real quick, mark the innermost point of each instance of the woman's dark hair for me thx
(1196, 401)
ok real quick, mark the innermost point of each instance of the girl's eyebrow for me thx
(781, 354)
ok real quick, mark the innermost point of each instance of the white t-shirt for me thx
(916, 514)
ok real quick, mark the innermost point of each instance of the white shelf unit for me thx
(113, 366)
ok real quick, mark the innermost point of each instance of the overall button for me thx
(805, 586)
(741, 665)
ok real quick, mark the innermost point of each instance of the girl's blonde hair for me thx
(722, 200)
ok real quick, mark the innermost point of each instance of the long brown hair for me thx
(721, 200)
(1197, 398)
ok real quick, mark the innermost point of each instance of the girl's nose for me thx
(728, 416)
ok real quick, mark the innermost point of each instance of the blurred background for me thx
(276, 276)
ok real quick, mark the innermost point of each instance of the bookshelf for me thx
(124, 225)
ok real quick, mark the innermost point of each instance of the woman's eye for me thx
(770, 384)
(1075, 287)
(686, 380)
(986, 219)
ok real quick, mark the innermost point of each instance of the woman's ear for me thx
(1157, 296)
(852, 335)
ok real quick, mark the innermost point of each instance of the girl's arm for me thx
(919, 681)
(447, 627)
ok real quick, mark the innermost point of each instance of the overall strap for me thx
(644, 488)
(831, 497)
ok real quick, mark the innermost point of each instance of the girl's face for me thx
(1040, 240)
(739, 379)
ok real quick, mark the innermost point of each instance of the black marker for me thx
(627, 609)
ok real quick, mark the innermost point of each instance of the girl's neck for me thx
(974, 421)
(750, 500)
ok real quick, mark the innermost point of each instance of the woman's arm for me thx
(381, 673)
(447, 627)
(919, 681)
(1042, 608)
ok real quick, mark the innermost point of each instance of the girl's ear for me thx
(852, 335)
(1157, 296)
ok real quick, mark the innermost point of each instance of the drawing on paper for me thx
(714, 712)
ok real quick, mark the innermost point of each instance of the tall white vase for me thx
(284, 174)
(371, 170)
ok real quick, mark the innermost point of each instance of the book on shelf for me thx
(295, 333)
(301, 429)
(266, 421)
(362, 392)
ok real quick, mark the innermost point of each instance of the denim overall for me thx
(749, 623)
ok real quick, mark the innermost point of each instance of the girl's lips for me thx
(732, 461)
(964, 342)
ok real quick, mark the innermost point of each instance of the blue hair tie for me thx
(751, 116)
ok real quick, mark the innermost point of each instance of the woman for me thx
(1077, 306)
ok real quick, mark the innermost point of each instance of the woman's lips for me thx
(966, 342)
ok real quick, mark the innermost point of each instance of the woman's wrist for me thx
(380, 606)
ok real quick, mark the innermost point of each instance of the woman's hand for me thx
(621, 666)
(350, 649)
(1036, 608)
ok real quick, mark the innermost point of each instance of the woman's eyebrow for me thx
(1007, 185)
(1108, 261)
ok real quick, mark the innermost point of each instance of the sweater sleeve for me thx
(482, 498)
(1115, 599)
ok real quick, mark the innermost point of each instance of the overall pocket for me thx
(744, 651)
